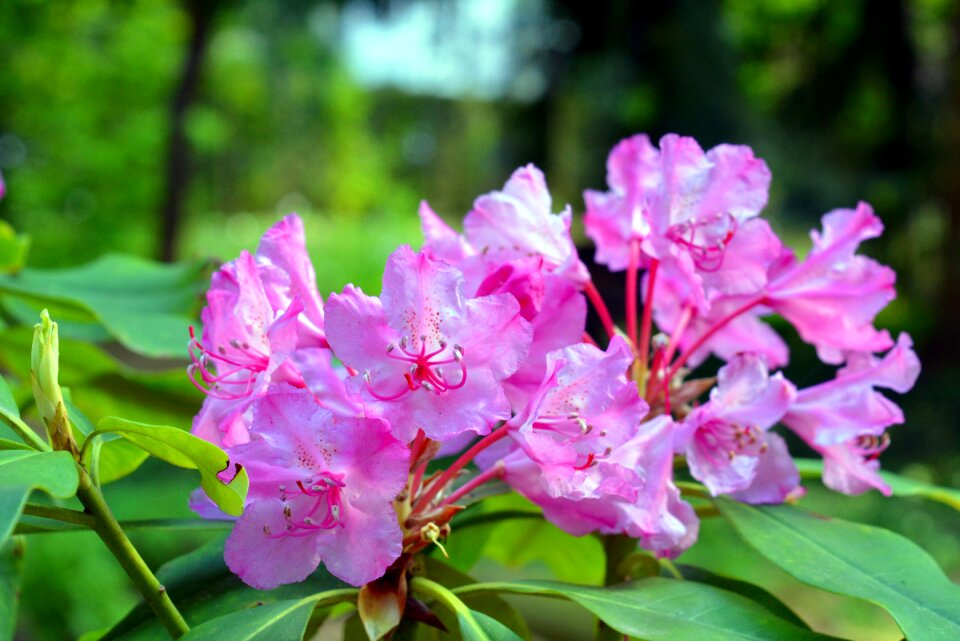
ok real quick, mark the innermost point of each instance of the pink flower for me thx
(505, 226)
(428, 358)
(833, 295)
(585, 408)
(3, 187)
(681, 203)
(651, 511)
(745, 332)
(846, 419)
(517, 222)
(260, 310)
(245, 343)
(287, 274)
(726, 439)
(321, 490)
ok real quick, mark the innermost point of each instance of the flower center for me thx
(706, 239)
(235, 367)
(324, 513)
(424, 370)
(732, 439)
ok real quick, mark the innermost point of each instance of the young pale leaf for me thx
(144, 305)
(857, 560)
(183, 449)
(22, 471)
(280, 621)
(111, 459)
(900, 485)
(658, 609)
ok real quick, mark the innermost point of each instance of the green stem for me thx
(60, 514)
(113, 536)
(616, 548)
(427, 589)
(25, 433)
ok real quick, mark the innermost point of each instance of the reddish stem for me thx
(458, 465)
(417, 479)
(494, 472)
(587, 338)
(720, 324)
(685, 316)
(594, 296)
(631, 293)
(647, 322)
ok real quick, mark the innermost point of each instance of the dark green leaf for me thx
(21, 471)
(749, 590)
(145, 306)
(180, 448)
(487, 604)
(658, 609)
(900, 485)
(280, 621)
(857, 560)
(204, 589)
(476, 626)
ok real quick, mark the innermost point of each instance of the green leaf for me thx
(183, 449)
(280, 621)
(753, 592)
(657, 609)
(900, 485)
(146, 306)
(487, 604)
(11, 556)
(22, 471)
(870, 563)
(476, 626)
(113, 457)
(203, 588)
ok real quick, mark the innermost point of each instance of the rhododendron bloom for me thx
(321, 490)
(428, 358)
(682, 205)
(726, 438)
(260, 310)
(846, 419)
(584, 409)
(833, 295)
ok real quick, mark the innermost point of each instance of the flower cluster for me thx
(477, 346)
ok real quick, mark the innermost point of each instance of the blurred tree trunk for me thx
(201, 14)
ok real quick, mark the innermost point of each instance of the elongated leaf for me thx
(21, 471)
(753, 592)
(901, 485)
(477, 626)
(658, 609)
(145, 306)
(204, 589)
(183, 449)
(857, 560)
(280, 621)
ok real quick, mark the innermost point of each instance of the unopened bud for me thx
(44, 372)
